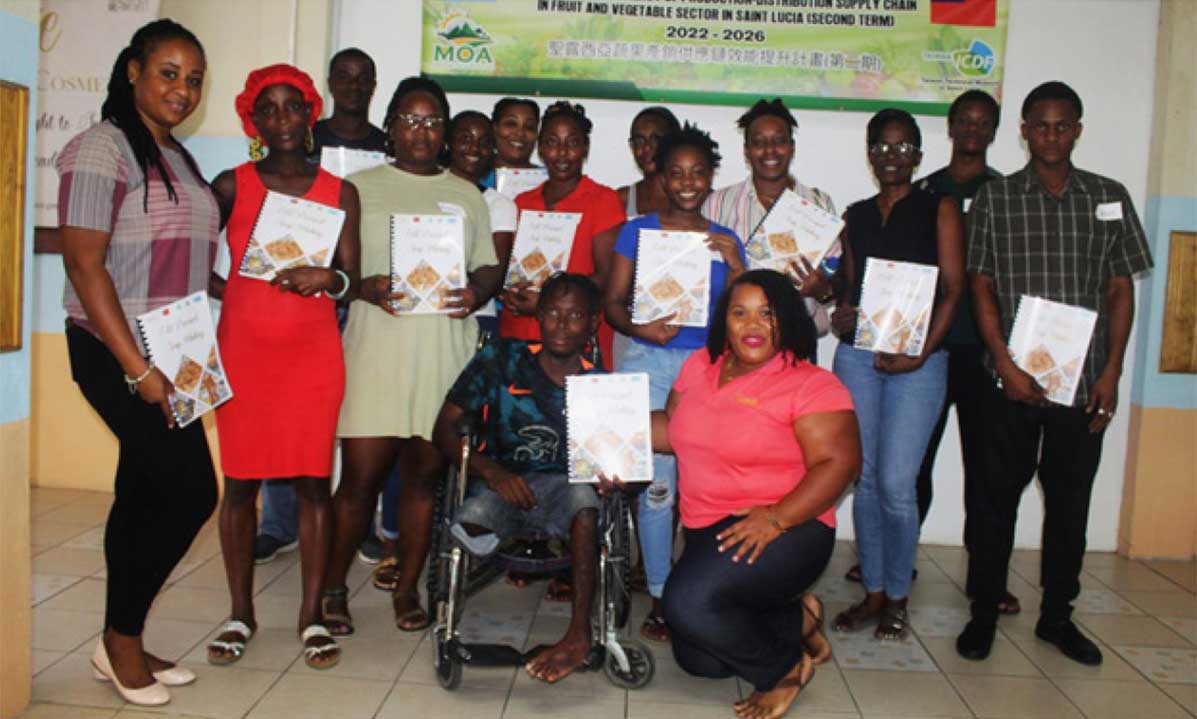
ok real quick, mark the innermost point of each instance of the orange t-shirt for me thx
(601, 210)
(735, 444)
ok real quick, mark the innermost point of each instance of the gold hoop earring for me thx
(309, 142)
(257, 149)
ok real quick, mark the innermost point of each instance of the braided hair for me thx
(121, 110)
(573, 111)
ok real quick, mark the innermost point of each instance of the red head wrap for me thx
(281, 74)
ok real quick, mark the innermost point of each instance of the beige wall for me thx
(1159, 499)
(1174, 139)
(15, 611)
(240, 36)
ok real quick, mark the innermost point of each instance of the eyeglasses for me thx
(428, 122)
(902, 149)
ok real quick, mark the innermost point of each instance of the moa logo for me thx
(977, 61)
(462, 43)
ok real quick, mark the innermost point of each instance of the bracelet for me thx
(772, 517)
(338, 296)
(134, 382)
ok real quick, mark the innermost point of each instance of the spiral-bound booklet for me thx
(609, 427)
(291, 232)
(343, 161)
(427, 260)
(181, 341)
(514, 181)
(673, 277)
(1049, 341)
(795, 228)
(542, 246)
(895, 306)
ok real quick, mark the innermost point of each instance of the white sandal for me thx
(221, 652)
(315, 656)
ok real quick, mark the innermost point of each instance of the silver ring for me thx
(1105, 412)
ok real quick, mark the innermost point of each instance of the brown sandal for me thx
(816, 631)
(855, 617)
(413, 618)
(386, 574)
(893, 622)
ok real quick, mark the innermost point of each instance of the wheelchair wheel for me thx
(447, 667)
(641, 666)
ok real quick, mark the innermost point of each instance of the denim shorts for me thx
(557, 503)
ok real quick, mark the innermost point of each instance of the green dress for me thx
(398, 369)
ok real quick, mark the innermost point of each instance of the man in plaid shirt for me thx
(1053, 231)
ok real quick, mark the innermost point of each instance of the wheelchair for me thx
(454, 575)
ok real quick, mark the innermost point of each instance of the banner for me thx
(79, 42)
(826, 54)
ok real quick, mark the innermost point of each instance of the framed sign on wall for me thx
(822, 54)
(14, 134)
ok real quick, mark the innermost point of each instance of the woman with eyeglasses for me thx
(897, 397)
(647, 195)
(399, 366)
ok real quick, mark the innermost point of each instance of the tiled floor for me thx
(1144, 615)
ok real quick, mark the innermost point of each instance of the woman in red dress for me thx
(282, 354)
(564, 145)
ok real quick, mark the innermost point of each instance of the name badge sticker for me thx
(1108, 211)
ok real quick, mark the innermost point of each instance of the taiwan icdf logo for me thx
(977, 61)
(462, 43)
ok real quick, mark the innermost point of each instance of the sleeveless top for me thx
(909, 235)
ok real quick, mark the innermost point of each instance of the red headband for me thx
(281, 74)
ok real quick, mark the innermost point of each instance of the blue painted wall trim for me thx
(1152, 388)
(18, 64)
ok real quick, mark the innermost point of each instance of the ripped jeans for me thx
(655, 511)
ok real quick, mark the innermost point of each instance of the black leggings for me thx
(165, 485)
(729, 618)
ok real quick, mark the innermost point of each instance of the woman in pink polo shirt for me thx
(766, 443)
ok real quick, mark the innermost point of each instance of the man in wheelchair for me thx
(513, 394)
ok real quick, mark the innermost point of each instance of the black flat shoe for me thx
(976, 641)
(1069, 640)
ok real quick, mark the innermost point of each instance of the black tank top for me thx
(910, 234)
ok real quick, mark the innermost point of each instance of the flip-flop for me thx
(819, 619)
(320, 656)
(226, 651)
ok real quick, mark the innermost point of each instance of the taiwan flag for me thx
(977, 13)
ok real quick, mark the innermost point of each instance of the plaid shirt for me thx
(1063, 249)
(155, 257)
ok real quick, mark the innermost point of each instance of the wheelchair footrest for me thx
(487, 655)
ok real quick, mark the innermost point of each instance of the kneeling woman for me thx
(282, 353)
(766, 443)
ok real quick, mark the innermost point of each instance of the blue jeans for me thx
(655, 508)
(896, 413)
(281, 520)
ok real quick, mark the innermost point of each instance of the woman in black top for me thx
(897, 397)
